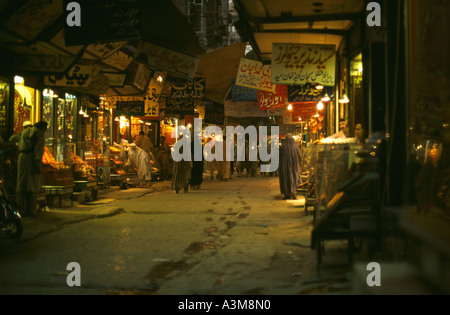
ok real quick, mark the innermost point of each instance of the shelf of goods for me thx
(122, 175)
(85, 177)
(57, 178)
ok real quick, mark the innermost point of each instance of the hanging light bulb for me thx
(320, 105)
(344, 100)
(326, 98)
(81, 112)
(289, 107)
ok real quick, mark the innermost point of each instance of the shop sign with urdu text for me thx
(299, 64)
(254, 74)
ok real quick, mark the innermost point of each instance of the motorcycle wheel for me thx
(14, 229)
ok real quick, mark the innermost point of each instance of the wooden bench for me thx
(60, 192)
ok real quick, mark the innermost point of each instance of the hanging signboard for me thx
(104, 50)
(254, 74)
(302, 63)
(116, 79)
(180, 107)
(184, 95)
(153, 93)
(166, 60)
(304, 109)
(130, 108)
(267, 100)
(307, 93)
(242, 93)
(243, 109)
(139, 76)
(42, 63)
(104, 21)
(186, 89)
(32, 17)
(77, 76)
(118, 60)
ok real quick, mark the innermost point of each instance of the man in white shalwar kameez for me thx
(141, 160)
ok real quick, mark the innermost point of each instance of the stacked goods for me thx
(83, 170)
(48, 159)
(55, 173)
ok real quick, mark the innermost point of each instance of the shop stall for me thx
(85, 175)
(57, 179)
(118, 156)
(346, 187)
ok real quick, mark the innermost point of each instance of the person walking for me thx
(164, 156)
(181, 175)
(289, 168)
(197, 170)
(224, 173)
(31, 142)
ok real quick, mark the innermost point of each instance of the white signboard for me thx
(301, 63)
(254, 74)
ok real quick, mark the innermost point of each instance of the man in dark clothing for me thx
(31, 143)
(197, 170)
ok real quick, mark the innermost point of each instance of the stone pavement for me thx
(55, 218)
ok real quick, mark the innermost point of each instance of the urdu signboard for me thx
(300, 64)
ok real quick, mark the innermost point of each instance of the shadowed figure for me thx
(290, 167)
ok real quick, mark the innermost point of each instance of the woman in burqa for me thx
(181, 174)
(197, 169)
(289, 168)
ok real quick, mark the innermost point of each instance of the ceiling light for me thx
(18, 79)
(326, 98)
(344, 100)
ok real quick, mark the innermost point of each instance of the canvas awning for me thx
(219, 67)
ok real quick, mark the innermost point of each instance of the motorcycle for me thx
(10, 219)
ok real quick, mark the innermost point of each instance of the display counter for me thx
(88, 188)
(60, 192)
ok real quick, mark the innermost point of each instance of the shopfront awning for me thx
(46, 46)
(324, 22)
(219, 67)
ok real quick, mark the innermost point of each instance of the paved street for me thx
(235, 237)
